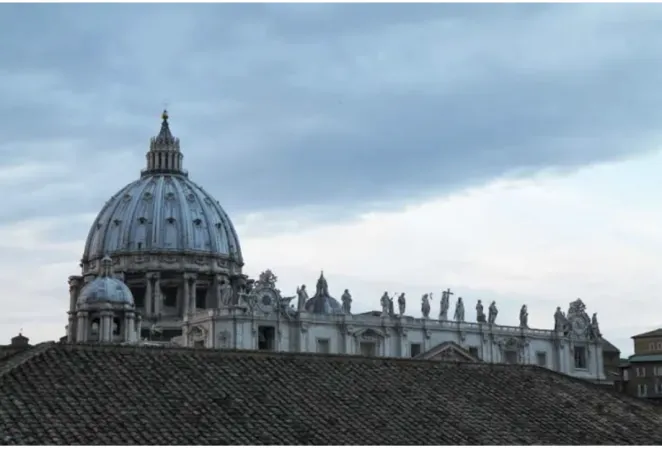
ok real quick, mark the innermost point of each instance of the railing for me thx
(429, 324)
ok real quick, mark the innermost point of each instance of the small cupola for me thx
(105, 310)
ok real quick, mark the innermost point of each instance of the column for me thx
(72, 329)
(218, 301)
(187, 295)
(129, 331)
(192, 294)
(157, 305)
(73, 292)
(138, 327)
(148, 295)
(107, 319)
(81, 328)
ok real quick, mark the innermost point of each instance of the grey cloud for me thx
(336, 107)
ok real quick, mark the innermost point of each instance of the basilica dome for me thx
(106, 288)
(162, 212)
(322, 302)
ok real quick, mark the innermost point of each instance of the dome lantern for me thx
(164, 155)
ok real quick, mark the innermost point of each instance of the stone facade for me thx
(264, 320)
(169, 240)
(175, 256)
(641, 373)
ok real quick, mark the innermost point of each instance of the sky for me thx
(507, 152)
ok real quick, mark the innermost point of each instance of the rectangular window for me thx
(169, 297)
(368, 349)
(642, 390)
(201, 298)
(323, 346)
(541, 359)
(138, 295)
(659, 345)
(580, 357)
(626, 375)
(510, 357)
(414, 349)
(266, 338)
(473, 351)
(658, 387)
(641, 371)
(651, 346)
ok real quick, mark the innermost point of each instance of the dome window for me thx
(116, 222)
(218, 225)
(170, 196)
(142, 220)
(99, 225)
(190, 197)
(147, 196)
(170, 220)
(127, 197)
(197, 222)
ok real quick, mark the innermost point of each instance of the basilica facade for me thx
(162, 265)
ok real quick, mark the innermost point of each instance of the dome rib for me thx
(107, 240)
(170, 202)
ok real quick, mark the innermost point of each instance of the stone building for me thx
(641, 373)
(18, 344)
(176, 262)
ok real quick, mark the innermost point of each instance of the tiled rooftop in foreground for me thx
(126, 395)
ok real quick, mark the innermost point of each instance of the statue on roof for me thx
(444, 304)
(267, 279)
(523, 317)
(480, 315)
(560, 321)
(459, 310)
(346, 302)
(322, 286)
(302, 298)
(425, 305)
(492, 313)
(595, 327)
(384, 301)
(577, 308)
(402, 304)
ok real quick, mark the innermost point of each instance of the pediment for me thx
(197, 332)
(369, 333)
(447, 351)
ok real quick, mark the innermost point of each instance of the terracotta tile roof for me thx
(114, 395)
(609, 347)
(654, 333)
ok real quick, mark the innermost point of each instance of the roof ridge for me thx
(238, 352)
(19, 358)
(594, 383)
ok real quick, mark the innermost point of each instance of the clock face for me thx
(579, 325)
